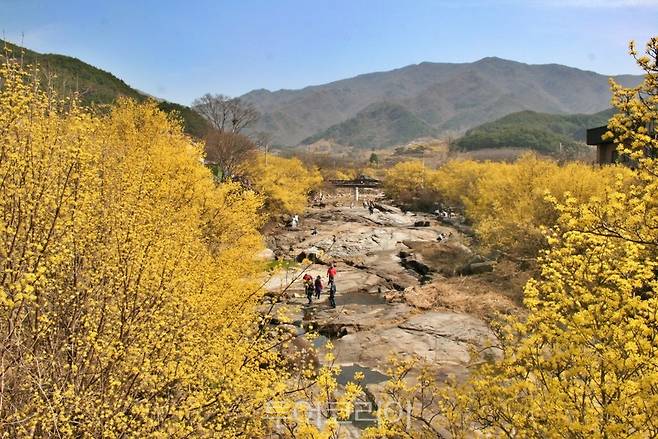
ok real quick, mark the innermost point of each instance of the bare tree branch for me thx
(225, 114)
(242, 114)
(228, 151)
(214, 108)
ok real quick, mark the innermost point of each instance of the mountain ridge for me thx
(450, 97)
(481, 60)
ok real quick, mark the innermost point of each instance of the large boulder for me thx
(314, 255)
(416, 264)
(446, 258)
(265, 255)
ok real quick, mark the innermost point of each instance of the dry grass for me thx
(486, 296)
(444, 257)
(491, 154)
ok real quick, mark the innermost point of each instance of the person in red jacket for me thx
(331, 272)
(308, 287)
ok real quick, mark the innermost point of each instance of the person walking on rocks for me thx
(332, 293)
(308, 287)
(331, 272)
(318, 287)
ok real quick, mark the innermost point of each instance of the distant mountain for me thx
(94, 85)
(538, 131)
(381, 125)
(449, 98)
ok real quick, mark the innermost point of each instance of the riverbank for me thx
(401, 287)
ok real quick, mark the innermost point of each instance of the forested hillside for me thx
(69, 75)
(379, 125)
(531, 130)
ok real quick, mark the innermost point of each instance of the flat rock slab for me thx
(458, 327)
(360, 239)
(374, 348)
(351, 318)
(288, 280)
(441, 339)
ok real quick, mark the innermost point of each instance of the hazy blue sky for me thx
(179, 50)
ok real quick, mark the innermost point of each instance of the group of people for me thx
(370, 206)
(314, 288)
(445, 213)
(443, 236)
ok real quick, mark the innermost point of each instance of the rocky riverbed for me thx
(407, 285)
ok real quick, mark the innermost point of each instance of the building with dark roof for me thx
(606, 150)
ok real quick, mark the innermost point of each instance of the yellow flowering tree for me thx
(126, 304)
(320, 407)
(584, 363)
(284, 183)
(410, 183)
(512, 205)
(127, 299)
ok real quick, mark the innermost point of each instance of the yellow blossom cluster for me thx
(285, 183)
(504, 201)
(126, 299)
